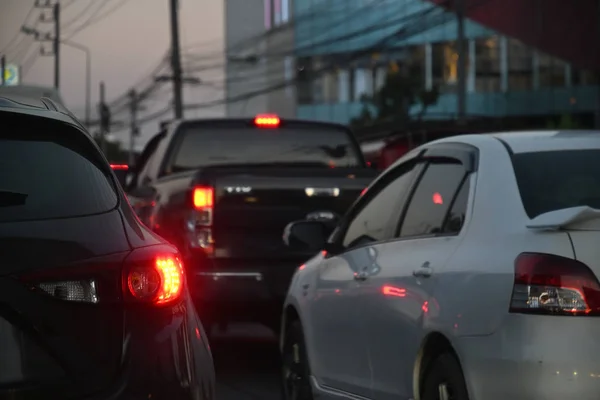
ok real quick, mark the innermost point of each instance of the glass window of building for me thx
(362, 83)
(303, 79)
(330, 85)
(444, 60)
(520, 66)
(317, 89)
(343, 86)
(487, 64)
(552, 71)
(582, 77)
(285, 11)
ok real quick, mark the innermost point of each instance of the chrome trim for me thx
(216, 275)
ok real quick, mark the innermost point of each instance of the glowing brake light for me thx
(155, 277)
(267, 121)
(124, 167)
(203, 197)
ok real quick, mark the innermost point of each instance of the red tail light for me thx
(154, 275)
(201, 219)
(119, 166)
(203, 197)
(267, 121)
(551, 284)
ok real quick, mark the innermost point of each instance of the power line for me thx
(311, 13)
(78, 16)
(95, 18)
(14, 38)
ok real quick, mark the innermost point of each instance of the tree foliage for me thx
(401, 91)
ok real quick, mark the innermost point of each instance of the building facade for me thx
(260, 58)
(342, 50)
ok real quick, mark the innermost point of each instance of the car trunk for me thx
(253, 205)
(58, 338)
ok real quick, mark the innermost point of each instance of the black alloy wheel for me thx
(444, 380)
(295, 369)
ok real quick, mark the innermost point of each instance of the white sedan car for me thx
(467, 270)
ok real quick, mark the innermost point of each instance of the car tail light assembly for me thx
(551, 284)
(199, 225)
(153, 275)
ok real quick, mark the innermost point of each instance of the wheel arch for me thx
(434, 344)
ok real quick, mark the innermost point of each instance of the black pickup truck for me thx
(222, 191)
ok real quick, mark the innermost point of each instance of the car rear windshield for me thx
(302, 146)
(42, 179)
(553, 180)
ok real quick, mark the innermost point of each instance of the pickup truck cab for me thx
(222, 190)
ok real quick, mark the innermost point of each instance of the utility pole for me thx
(462, 61)
(2, 69)
(104, 118)
(176, 61)
(134, 104)
(56, 45)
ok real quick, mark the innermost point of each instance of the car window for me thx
(223, 143)
(41, 179)
(142, 165)
(553, 180)
(371, 223)
(456, 218)
(144, 175)
(434, 193)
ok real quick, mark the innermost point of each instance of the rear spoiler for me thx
(582, 217)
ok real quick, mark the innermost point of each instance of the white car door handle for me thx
(424, 272)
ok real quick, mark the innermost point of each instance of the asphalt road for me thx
(247, 364)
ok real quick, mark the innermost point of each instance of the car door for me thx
(339, 348)
(398, 297)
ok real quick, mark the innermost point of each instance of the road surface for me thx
(247, 364)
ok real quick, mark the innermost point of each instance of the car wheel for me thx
(295, 368)
(444, 380)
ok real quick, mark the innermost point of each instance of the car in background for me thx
(121, 172)
(93, 305)
(468, 270)
(222, 190)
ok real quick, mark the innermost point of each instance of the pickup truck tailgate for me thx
(252, 209)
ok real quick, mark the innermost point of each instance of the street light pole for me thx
(88, 77)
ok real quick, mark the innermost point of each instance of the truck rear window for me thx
(305, 145)
(49, 179)
(553, 180)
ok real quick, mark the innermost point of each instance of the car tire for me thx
(295, 370)
(444, 376)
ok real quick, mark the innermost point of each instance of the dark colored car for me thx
(93, 305)
(222, 190)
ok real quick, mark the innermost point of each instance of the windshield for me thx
(553, 180)
(207, 145)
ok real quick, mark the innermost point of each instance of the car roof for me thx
(31, 94)
(46, 108)
(534, 140)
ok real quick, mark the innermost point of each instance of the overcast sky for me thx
(127, 39)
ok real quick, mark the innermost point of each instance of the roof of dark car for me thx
(44, 108)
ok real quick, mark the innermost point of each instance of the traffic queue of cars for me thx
(466, 270)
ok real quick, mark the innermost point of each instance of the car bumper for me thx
(250, 292)
(534, 357)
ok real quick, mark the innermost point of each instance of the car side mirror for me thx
(306, 235)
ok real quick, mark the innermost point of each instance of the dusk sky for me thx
(127, 39)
